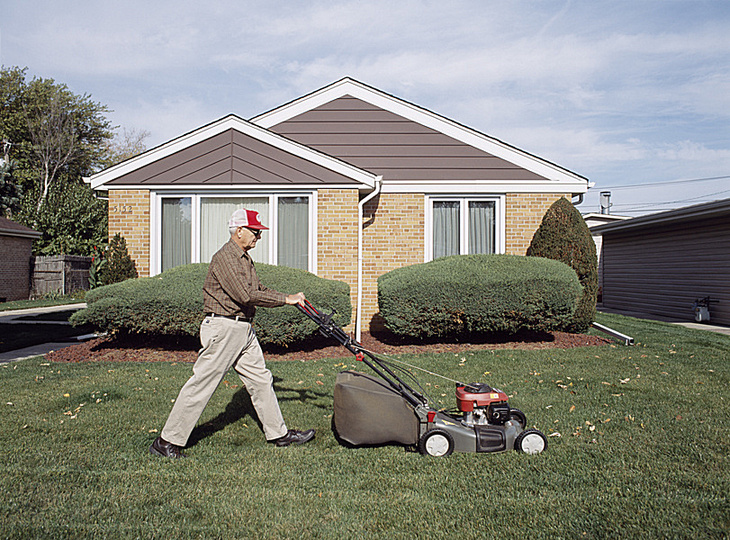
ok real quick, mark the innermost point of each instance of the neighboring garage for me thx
(16, 245)
(661, 264)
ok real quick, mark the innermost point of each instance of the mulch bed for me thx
(136, 348)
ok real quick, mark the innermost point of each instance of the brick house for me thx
(353, 182)
(16, 245)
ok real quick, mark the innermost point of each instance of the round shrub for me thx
(564, 236)
(171, 303)
(478, 294)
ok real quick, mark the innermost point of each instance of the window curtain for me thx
(445, 228)
(293, 232)
(481, 227)
(176, 232)
(214, 215)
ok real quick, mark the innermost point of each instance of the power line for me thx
(664, 203)
(668, 182)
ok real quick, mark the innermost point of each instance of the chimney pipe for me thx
(606, 202)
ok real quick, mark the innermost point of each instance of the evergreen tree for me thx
(9, 191)
(119, 265)
(564, 236)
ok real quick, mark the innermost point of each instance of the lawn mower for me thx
(385, 409)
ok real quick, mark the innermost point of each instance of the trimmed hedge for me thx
(564, 236)
(478, 294)
(171, 303)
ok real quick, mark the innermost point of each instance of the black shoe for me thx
(166, 449)
(294, 437)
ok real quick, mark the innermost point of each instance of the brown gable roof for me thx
(415, 149)
(231, 158)
(232, 152)
(385, 143)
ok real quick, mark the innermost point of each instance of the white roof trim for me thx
(424, 117)
(208, 188)
(220, 126)
(481, 186)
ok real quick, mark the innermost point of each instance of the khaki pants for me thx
(225, 343)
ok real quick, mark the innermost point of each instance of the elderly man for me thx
(231, 293)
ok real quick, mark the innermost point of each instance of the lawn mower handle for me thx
(329, 329)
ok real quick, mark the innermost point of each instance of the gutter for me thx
(360, 231)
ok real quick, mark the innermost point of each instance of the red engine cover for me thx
(477, 395)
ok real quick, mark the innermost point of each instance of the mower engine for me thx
(482, 405)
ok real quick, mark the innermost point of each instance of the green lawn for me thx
(42, 302)
(642, 451)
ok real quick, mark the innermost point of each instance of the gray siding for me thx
(231, 158)
(661, 270)
(384, 143)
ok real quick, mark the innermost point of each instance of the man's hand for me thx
(293, 299)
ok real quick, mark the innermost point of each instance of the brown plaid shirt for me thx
(232, 286)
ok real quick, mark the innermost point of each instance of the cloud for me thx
(618, 89)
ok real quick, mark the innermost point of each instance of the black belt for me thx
(236, 318)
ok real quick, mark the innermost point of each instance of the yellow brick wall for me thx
(524, 213)
(393, 237)
(337, 238)
(129, 215)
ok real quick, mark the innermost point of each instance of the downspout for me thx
(360, 231)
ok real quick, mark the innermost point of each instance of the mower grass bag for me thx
(368, 411)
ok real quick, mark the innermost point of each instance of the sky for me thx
(634, 95)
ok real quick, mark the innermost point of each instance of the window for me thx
(463, 225)
(292, 232)
(176, 232)
(193, 227)
(214, 214)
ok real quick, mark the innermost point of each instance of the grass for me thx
(50, 300)
(642, 452)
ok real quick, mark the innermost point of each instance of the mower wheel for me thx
(531, 441)
(436, 442)
(519, 416)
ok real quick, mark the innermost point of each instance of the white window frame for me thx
(156, 198)
(464, 200)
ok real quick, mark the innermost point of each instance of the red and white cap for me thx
(246, 218)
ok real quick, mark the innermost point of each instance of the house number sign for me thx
(121, 209)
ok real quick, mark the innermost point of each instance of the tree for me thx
(56, 138)
(125, 145)
(564, 236)
(67, 134)
(72, 221)
(119, 265)
(9, 191)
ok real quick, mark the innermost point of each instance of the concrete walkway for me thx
(11, 317)
(688, 324)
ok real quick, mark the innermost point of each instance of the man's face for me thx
(247, 238)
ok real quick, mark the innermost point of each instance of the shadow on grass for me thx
(241, 406)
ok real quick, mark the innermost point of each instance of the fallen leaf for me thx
(555, 434)
(320, 383)
(572, 408)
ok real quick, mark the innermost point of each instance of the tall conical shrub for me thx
(119, 265)
(564, 236)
